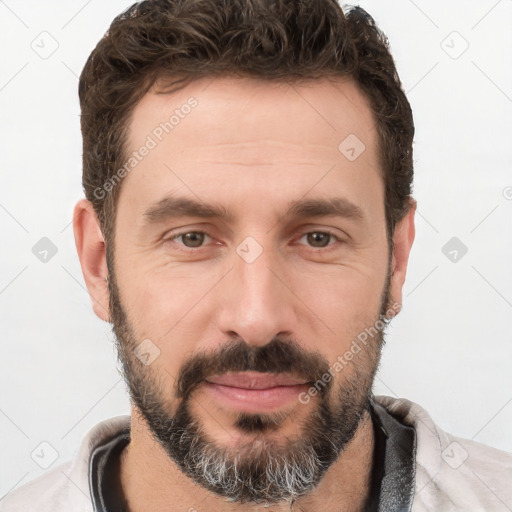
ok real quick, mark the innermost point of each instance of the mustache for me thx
(277, 356)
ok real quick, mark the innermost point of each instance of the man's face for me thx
(276, 288)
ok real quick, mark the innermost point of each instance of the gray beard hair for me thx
(262, 470)
(285, 478)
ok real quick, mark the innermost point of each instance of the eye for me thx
(190, 239)
(197, 239)
(319, 239)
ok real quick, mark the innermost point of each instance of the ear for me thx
(403, 239)
(92, 254)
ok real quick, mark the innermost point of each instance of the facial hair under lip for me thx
(266, 474)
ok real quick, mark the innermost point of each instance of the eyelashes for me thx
(201, 236)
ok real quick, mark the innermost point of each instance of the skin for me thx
(264, 144)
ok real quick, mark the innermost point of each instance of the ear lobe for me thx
(91, 251)
(403, 239)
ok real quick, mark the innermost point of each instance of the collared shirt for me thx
(392, 478)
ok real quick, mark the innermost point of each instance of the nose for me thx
(256, 301)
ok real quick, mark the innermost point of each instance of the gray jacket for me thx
(451, 474)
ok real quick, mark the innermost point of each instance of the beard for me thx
(262, 469)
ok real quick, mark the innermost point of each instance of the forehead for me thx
(231, 110)
(225, 135)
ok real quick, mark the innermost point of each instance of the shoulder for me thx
(64, 488)
(452, 473)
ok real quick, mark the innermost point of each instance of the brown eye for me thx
(318, 239)
(192, 238)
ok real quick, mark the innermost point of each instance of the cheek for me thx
(347, 305)
(160, 294)
(344, 300)
(167, 306)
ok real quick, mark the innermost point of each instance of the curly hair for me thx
(176, 41)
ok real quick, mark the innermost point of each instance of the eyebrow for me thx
(176, 207)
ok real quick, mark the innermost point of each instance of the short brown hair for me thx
(176, 41)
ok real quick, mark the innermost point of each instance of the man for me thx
(247, 228)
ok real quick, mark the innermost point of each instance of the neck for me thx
(152, 481)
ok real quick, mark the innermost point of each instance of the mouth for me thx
(255, 392)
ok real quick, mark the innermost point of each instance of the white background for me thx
(449, 350)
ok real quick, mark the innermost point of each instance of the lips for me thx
(255, 392)
(255, 380)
